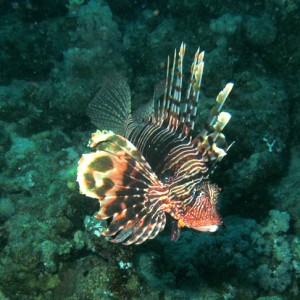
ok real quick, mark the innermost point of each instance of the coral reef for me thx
(265, 250)
(55, 55)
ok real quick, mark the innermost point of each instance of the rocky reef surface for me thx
(54, 57)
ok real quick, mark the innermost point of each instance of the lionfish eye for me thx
(167, 177)
(197, 193)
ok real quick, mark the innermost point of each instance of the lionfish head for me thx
(203, 215)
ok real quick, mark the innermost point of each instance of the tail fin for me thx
(125, 186)
(111, 106)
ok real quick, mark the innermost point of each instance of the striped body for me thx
(148, 163)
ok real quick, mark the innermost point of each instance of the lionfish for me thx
(147, 163)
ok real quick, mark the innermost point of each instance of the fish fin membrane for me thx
(111, 106)
(145, 113)
(178, 113)
(178, 108)
(211, 142)
(128, 191)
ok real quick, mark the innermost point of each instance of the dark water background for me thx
(54, 56)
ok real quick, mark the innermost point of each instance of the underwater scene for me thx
(149, 150)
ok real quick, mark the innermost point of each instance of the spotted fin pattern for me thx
(128, 191)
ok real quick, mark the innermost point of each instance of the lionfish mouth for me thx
(207, 228)
(133, 153)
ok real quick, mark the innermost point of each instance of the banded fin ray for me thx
(210, 141)
(146, 111)
(173, 120)
(178, 114)
(111, 106)
(127, 190)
